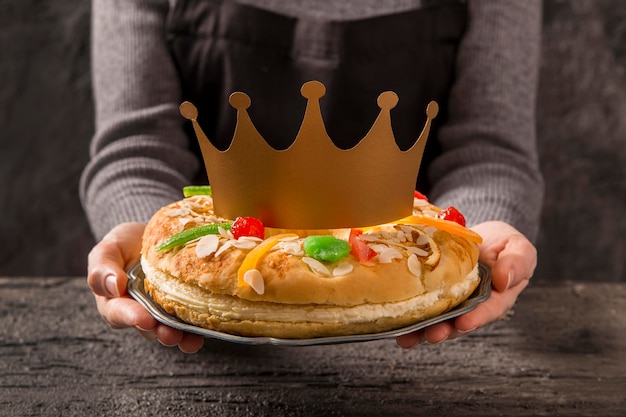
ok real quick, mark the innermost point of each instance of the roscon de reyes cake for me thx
(280, 254)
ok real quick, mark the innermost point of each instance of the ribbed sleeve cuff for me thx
(494, 192)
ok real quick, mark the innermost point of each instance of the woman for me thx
(478, 59)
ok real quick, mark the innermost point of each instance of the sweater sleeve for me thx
(489, 166)
(140, 155)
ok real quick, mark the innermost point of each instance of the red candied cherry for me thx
(452, 214)
(420, 196)
(247, 226)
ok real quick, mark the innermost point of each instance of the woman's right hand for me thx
(107, 265)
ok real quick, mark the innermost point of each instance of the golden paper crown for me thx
(313, 184)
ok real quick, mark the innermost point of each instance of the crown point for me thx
(239, 100)
(387, 100)
(313, 90)
(188, 110)
(432, 109)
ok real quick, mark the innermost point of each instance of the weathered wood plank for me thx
(562, 353)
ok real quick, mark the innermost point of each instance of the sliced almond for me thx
(227, 245)
(344, 268)
(254, 279)
(379, 247)
(290, 247)
(417, 251)
(415, 266)
(316, 266)
(176, 212)
(243, 243)
(389, 254)
(207, 245)
(225, 233)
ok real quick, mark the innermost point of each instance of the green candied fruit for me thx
(188, 235)
(326, 248)
(191, 190)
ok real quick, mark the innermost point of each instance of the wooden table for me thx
(562, 353)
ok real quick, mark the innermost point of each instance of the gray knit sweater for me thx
(140, 157)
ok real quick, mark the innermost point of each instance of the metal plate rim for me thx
(136, 291)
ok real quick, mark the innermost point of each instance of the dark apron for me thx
(222, 47)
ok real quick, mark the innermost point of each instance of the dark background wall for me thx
(45, 125)
(46, 122)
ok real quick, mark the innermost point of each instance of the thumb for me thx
(109, 259)
(515, 263)
(105, 272)
(511, 257)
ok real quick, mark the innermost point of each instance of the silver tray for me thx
(137, 291)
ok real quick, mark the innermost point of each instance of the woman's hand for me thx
(107, 265)
(512, 259)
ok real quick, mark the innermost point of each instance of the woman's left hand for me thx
(512, 259)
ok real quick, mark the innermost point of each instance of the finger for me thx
(125, 312)
(168, 336)
(435, 334)
(191, 343)
(187, 342)
(407, 341)
(438, 333)
(147, 334)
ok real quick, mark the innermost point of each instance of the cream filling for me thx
(234, 308)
